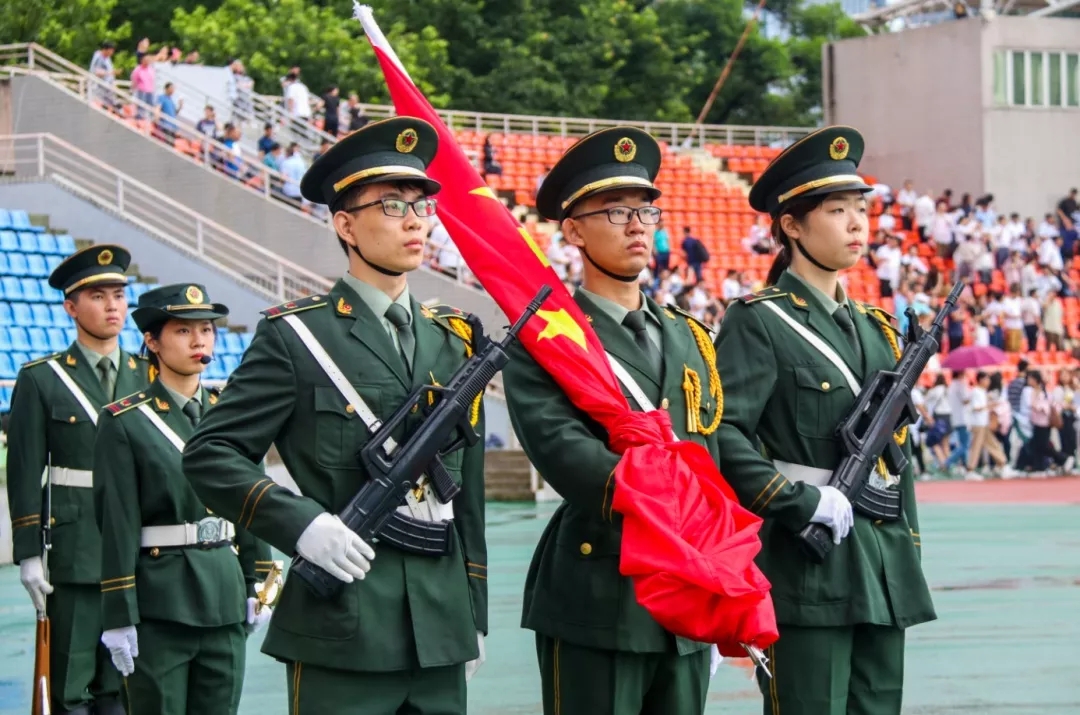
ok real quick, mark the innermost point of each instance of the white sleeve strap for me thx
(644, 403)
(821, 346)
(80, 396)
(162, 427)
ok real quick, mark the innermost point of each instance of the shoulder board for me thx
(127, 403)
(441, 310)
(766, 294)
(689, 316)
(295, 306)
(883, 316)
(41, 361)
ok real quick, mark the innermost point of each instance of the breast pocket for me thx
(822, 399)
(68, 417)
(339, 431)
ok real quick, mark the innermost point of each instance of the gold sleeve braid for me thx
(692, 383)
(890, 337)
(463, 331)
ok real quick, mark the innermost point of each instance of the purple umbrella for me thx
(973, 356)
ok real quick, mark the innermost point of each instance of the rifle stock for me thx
(42, 698)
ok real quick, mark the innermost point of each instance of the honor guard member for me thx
(600, 653)
(784, 355)
(404, 633)
(175, 596)
(54, 414)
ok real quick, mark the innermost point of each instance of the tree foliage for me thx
(621, 59)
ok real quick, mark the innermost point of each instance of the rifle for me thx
(397, 470)
(41, 700)
(881, 408)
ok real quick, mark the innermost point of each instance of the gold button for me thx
(415, 409)
(52, 521)
(664, 403)
(71, 419)
(350, 409)
(155, 552)
(825, 386)
(879, 522)
(141, 395)
(586, 549)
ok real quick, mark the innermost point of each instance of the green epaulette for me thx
(765, 294)
(41, 361)
(689, 316)
(883, 316)
(441, 310)
(127, 403)
(449, 318)
(295, 306)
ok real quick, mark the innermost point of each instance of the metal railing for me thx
(249, 264)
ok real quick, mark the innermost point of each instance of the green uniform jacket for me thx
(138, 481)
(48, 424)
(574, 590)
(410, 610)
(783, 398)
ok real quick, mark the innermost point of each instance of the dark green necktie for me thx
(843, 319)
(399, 318)
(635, 320)
(105, 374)
(193, 410)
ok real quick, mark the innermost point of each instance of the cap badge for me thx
(625, 150)
(406, 141)
(839, 148)
(193, 295)
(105, 257)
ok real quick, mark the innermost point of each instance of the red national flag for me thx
(693, 566)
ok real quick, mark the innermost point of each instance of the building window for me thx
(1018, 75)
(1024, 78)
(1001, 77)
(1037, 79)
(1072, 80)
(1054, 63)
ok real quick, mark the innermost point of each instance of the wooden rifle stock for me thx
(41, 702)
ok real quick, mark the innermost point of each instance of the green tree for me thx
(71, 28)
(812, 27)
(151, 18)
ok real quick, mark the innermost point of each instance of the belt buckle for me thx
(209, 531)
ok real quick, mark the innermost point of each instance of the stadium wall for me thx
(154, 259)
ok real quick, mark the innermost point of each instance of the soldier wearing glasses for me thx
(599, 651)
(406, 632)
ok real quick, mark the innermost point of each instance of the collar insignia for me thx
(343, 308)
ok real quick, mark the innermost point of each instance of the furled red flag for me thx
(692, 567)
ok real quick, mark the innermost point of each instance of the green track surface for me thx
(1006, 581)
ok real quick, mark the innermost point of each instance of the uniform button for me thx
(586, 549)
(878, 522)
(350, 409)
(415, 409)
(664, 403)
(825, 386)
(155, 552)
(52, 521)
(71, 419)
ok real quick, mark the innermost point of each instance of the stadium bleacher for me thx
(33, 322)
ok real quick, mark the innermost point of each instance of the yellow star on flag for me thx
(559, 323)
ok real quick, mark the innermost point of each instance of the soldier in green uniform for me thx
(175, 596)
(54, 414)
(792, 358)
(407, 629)
(599, 652)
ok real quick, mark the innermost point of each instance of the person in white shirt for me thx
(1031, 314)
(1048, 228)
(558, 255)
(979, 426)
(936, 405)
(1012, 320)
(906, 199)
(1064, 399)
(732, 287)
(297, 97)
(1050, 253)
(887, 259)
(959, 396)
(444, 254)
(924, 212)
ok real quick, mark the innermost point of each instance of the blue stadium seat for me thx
(231, 363)
(5, 399)
(59, 318)
(18, 359)
(5, 219)
(215, 370)
(19, 339)
(50, 294)
(5, 313)
(31, 290)
(17, 265)
(130, 341)
(21, 315)
(233, 345)
(5, 269)
(57, 340)
(65, 243)
(28, 242)
(9, 241)
(42, 315)
(8, 370)
(245, 339)
(20, 220)
(47, 243)
(129, 293)
(36, 263)
(12, 288)
(5, 341)
(39, 341)
(51, 262)
(71, 334)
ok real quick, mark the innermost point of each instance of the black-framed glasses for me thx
(622, 215)
(399, 208)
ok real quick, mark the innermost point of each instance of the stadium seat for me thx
(59, 316)
(19, 339)
(231, 363)
(51, 262)
(57, 340)
(130, 341)
(246, 340)
(18, 359)
(50, 294)
(42, 315)
(31, 290)
(8, 370)
(39, 341)
(9, 241)
(5, 399)
(65, 244)
(233, 345)
(5, 219)
(5, 340)
(5, 268)
(71, 334)
(36, 263)
(28, 242)
(215, 371)
(21, 315)
(20, 221)
(17, 265)
(5, 313)
(47, 244)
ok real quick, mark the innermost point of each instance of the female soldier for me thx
(791, 358)
(175, 596)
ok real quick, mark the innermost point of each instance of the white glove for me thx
(330, 545)
(715, 659)
(32, 575)
(123, 645)
(260, 619)
(474, 665)
(834, 511)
